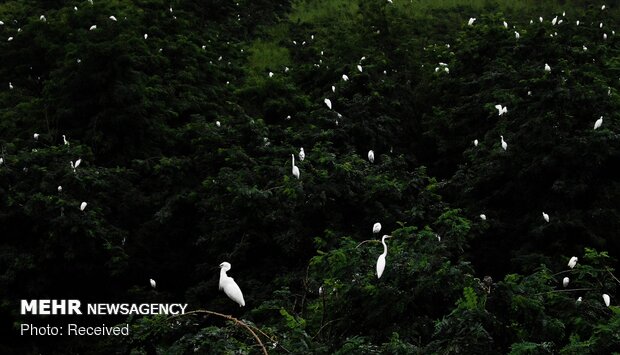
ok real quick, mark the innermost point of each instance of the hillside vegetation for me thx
(184, 116)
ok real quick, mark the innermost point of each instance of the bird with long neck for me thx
(381, 259)
(295, 168)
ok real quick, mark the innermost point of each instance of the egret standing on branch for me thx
(572, 262)
(381, 259)
(598, 123)
(229, 286)
(302, 154)
(376, 228)
(545, 217)
(295, 168)
(153, 283)
(371, 156)
(504, 144)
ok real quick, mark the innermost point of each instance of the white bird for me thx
(545, 217)
(270, 74)
(603, 7)
(505, 24)
(475, 142)
(93, 27)
(10, 85)
(229, 286)
(1, 160)
(577, 23)
(153, 283)
(328, 102)
(606, 299)
(381, 259)
(146, 36)
(371, 156)
(83, 206)
(517, 35)
(483, 217)
(565, 281)
(112, 18)
(598, 123)
(295, 168)
(572, 262)
(64, 140)
(604, 35)
(333, 89)
(36, 136)
(540, 19)
(77, 163)
(554, 21)
(376, 228)
(42, 18)
(501, 109)
(585, 48)
(59, 188)
(302, 154)
(359, 67)
(471, 21)
(547, 67)
(601, 25)
(579, 299)
(504, 144)
(345, 77)
(217, 123)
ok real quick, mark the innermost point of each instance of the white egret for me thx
(540, 19)
(146, 36)
(604, 35)
(565, 281)
(93, 27)
(572, 262)
(471, 21)
(598, 123)
(504, 144)
(505, 24)
(64, 140)
(606, 299)
(36, 136)
(153, 283)
(9, 39)
(359, 67)
(59, 188)
(333, 89)
(10, 85)
(545, 217)
(501, 109)
(112, 18)
(603, 7)
(42, 18)
(302, 154)
(577, 23)
(475, 142)
(376, 228)
(1, 160)
(217, 123)
(345, 77)
(371, 156)
(579, 299)
(328, 102)
(271, 74)
(585, 48)
(517, 35)
(483, 217)
(83, 206)
(381, 259)
(554, 21)
(229, 286)
(295, 169)
(547, 67)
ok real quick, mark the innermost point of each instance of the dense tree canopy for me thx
(184, 116)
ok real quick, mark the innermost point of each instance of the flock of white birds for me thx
(226, 283)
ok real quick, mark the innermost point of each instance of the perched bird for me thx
(146, 36)
(64, 140)
(572, 262)
(112, 18)
(381, 259)
(302, 154)
(376, 228)
(606, 299)
(229, 286)
(153, 283)
(501, 109)
(505, 24)
(217, 123)
(504, 144)
(545, 217)
(36, 136)
(42, 18)
(598, 123)
(554, 21)
(359, 67)
(333, 89)
(471, 21)
(371, 156)
(271, 74)
(517, 35)
(83, 206)
(547, 67)
(328, 102)
(565, 281)
(59, 188)
(579, 300)
(93, 27)
(295, 169)
(345, 77)
(483, 217)
(475, 142)
(10, 85)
